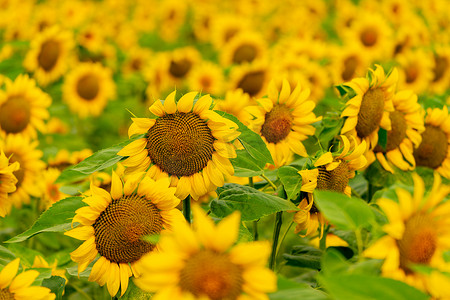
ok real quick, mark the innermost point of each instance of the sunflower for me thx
(224, 27)
(244, 47)
(235, 103)
(332, 172)
(40, 262)
(7, 182)
(19, 287)
(417, 233)
(404, 136)
(188, 143)
(20, 149)
(23, 107)
(181, 62)
(203, 18)
(137, 60)
(284, 120)
(50, 190)
(434, 150)
(410, 35)
(347, 63)
(441, 70)
(171, 16)
(206, 77)
(369, 109)
(144, 16)
(415, 70)
(251, 78)
(64, 158)
(157, 77)
(113, 225)
(91, 37)
(316, 78)
(232, 272)
(49, 55)
(87, 89)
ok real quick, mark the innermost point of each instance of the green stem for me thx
(80, 291)
(276, 234)
(283, 236)
(187, 208)
(269, 181)
(323, 240)
(359, 243)
(255, 223)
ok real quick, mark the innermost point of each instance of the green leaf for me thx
(57, 218)
(25, 254)
(6, 256)
(303, 292)
(56, 285)
(252, 203)
(304, 256)
(291, 180)
(96, 162)
(344, 212)
(251, 161)
(382, 138)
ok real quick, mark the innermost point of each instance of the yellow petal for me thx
(23, 280)
(113, 281)
(169, 104)
(324, 159)
(116, 186)
(204, 103)
(81, 232)
(157, 108)
(228, 230)
(133, 148)
(124, 271)
(185, 103)
(8, 273)
(285, 92)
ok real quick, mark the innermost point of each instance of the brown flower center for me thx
(441, 65)
(277, 124)
(411, 73)
(397, 134)
(212, 274)
(350, 65)
(88, 87)
(369, 37)
(5, 294)
(180, 144)
(136, 64)
(230, 33)
(419, 241)
(20, 174)
(206, 83)
(244, 53)
(252, 82)
(335, 180)
(370, 112)
(120, 227)
(180, 68)
(48, 57)
(15, 114)
(433, 149)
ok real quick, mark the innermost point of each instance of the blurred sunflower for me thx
(182, 61)
(233, 272)
(23, 107)
(224, 27)
(434, 150)
(137, 60)
(284, 120)
(251, 78)
(7, 182)
(92, 38)
(203, 17)
(40, 262)
(157, 77)
(206, 77)
(369, 109)
(404, 136)
(87, 89)
(49, 55)
(144, 15)
(417, 233)
(316, 78)
(235, 103)
(441, 70)
(244, 47)
(347, 63)
(415, 70)
(332, 172)
(22, 150)
(19, 287)
(187, 142)
(50, 190)
(171, 15)
(113, 225)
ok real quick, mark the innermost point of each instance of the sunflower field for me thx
(236, 150)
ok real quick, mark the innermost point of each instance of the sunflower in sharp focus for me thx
(331, 172)
(369, 109)
(7, 182)
(20, 149)
(23, 107)
(49, 55)
(404, 136)
(87, 89)
(244, 47)
(232, 272)
(417, 233)
(19, 287)
(206, 77)
(187, 142)
(284, 120)
(113, 225)
(251, 78)
(434, 150)
(415, 70)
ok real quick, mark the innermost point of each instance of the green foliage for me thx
(304, 256)
(57, 218)
(252, 204)
(291, 180)
(56, 284)
(382, 138)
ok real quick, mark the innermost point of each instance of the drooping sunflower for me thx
(206, 77)
(22, 150)
(415, 70)
(7, 182)
(434, 150)
(19, 287)
(50, 190)
(369, 109)
(233, 272)
(251, 78)
(49, 55)
(404, 136)
(417, 233)
(243, 47)
(188, 143)
(284, 120)
(332, 172)
(87, 89)
(113, 226)
(23, 107)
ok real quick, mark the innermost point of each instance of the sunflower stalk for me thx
(187, 208)
(323, 239)
(276, 234)
(255, 223)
